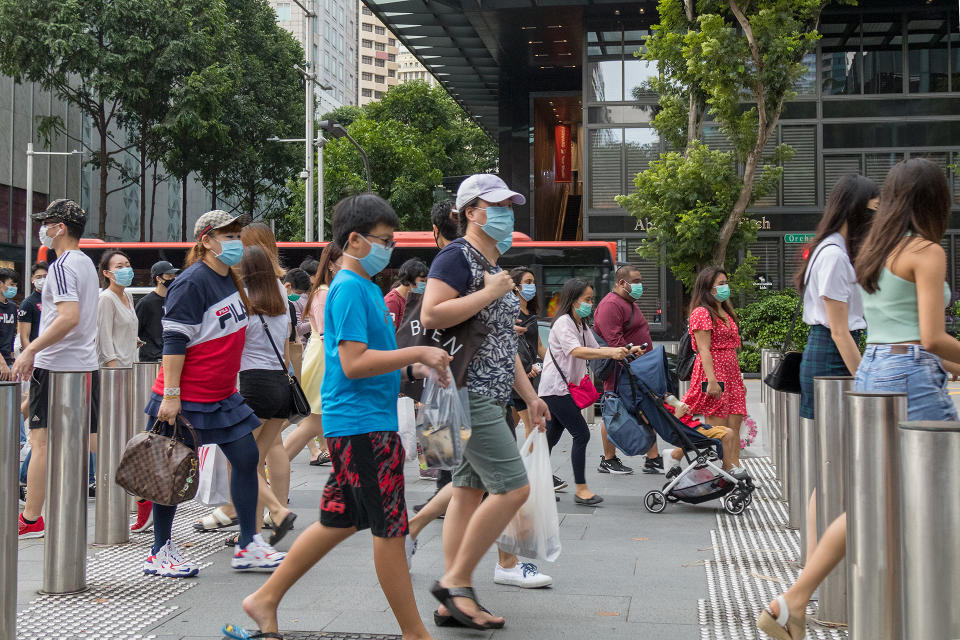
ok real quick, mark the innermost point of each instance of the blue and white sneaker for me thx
(168, 562)
(523, 574)
(257, 555)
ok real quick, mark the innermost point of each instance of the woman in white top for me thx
(116, 320)
(571, 344)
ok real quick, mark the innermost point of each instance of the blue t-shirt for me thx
(355, 312)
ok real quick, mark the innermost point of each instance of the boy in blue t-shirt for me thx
(360, 386)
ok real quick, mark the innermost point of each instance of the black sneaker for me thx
(653, 465)
(613, 465)
(559, 484)
(674, 472)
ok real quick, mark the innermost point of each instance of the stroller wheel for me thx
(734, 504)
(655, 501)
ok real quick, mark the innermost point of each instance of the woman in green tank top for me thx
(901, 269)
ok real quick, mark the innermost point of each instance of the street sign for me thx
(798, 238)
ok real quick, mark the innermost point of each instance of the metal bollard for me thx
(116, 402)
(873, 527)
(9, 495)
(771, 413)
(793, 488)
(831, 493)
(766, 366)
(930, 521)
(144, 375)
(808, 482)
(68, 450)
(780, 427)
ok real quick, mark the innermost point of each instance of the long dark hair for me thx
(915, 199)
(260, 280)
(572, 289)
(847, 204)
(702, 296)
(517, 273)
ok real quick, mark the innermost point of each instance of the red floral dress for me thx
(724, 342)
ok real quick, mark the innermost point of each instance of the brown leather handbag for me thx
(160, 468)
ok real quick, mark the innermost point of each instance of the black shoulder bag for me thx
(299, 405)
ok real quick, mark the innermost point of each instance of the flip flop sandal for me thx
(232, 541)
(216, 519)
(784, 626)
(446, 596)
(282, 529)
(449, 621)
(239, 633)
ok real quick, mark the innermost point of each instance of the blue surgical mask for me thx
(420, 288)
(528, 291)
(499, 226)
(723, 293)
(123, 276)
(375, 261)
(583, 309)
(636, 290)
(231, 252)
(10, 292)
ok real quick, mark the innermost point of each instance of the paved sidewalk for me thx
(623, 574)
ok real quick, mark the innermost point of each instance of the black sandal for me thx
(282, 529)
(446, 596)
(449, 621)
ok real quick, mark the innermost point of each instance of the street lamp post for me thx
(319, 144)
(28, 232)
(309, 75)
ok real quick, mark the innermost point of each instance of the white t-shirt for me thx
(257, 352)
(72, 278)
(830, 275)
(565, 336)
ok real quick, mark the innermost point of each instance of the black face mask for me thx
(164, 283)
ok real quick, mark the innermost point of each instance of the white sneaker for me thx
(169, 563)
(523, 574)
(257, 555)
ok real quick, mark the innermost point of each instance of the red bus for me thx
(552, 263)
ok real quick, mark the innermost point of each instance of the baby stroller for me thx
(644, 384)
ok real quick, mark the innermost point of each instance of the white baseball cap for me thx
(487, 186)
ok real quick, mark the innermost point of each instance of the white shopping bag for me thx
(407, 419)
(534, 532)
(213, 486)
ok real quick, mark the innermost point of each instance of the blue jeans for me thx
(917, 373)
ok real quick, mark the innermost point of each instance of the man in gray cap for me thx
(150, 312)
(67, 342)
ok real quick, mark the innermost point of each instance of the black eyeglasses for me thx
(387, 242)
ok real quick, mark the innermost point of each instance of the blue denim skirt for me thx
(917, 373)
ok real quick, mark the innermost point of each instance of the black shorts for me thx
(40, 393)
(365, 489)
(267, 392)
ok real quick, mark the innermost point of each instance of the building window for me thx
(606, 167)
(392, 73)
(366, 93)
(840, 57)
(392, 42)
(380, 62)
(367, 11)
(392, 57)
(366, 76)
(379, 79)
(366, 44)
(882, 38)
(366, 59)
(380, 31)
(366, 26)
(379, 46)
(927, 39)
(378, 94)
(283, 11)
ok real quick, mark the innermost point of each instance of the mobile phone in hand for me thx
(703, 386)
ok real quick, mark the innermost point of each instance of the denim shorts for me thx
(918, 373)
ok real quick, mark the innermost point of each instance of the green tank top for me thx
(892, 312)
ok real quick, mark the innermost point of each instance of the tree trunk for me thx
(143, 183)
(153, 199)
(692, 128)
(183, 210)
(213, 194)
(104, 171)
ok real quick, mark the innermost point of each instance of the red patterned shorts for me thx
(366, 489)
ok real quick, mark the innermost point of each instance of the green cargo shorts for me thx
(491, 459)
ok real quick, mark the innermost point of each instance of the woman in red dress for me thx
(716, 338)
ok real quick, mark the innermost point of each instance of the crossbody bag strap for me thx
(266, 330)
(557, 364)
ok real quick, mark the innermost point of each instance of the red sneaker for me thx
(27, 530)
(144, 516)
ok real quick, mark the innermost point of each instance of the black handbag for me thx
(686, 356)
(299, 405)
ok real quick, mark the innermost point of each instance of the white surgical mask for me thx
(46, 240)
(38, 284)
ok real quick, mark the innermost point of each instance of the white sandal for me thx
(784, 626)
(216, 519)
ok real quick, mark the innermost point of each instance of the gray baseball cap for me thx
(217, 219)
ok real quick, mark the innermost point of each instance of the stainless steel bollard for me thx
(873, 527)
(808, 482)
(793, 488)
(780, 427)
(831, 492)
(771, 413)
(68, 450)
(9, 495)
(930, 527)
(116, 402)
(766, 366)
(144, 375)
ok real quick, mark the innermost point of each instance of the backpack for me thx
(603, 368)
(686, 356)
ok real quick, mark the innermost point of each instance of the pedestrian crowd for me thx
(233, 326)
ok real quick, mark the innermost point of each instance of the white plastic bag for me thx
(407, 419)
(443, 425)
(213, 486)
(534, 532)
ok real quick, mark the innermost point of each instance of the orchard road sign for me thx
(797, 238)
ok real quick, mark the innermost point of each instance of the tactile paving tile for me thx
(755, 559)
(121, 601)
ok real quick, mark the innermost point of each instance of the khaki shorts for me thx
(491, 459)
(712, 432)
